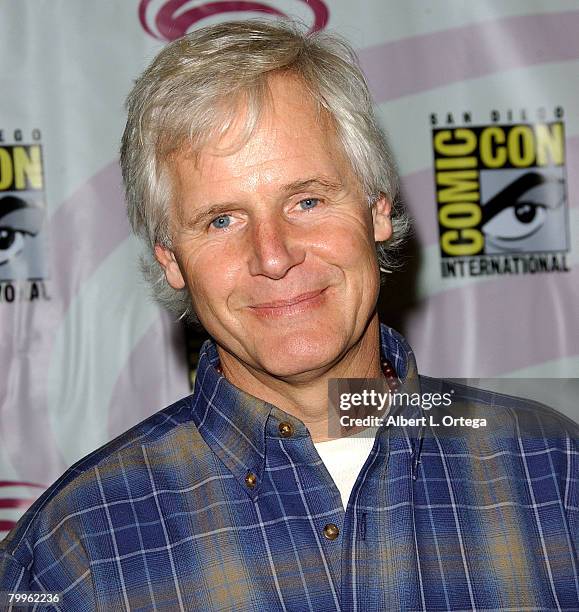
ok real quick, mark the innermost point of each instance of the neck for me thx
(307, 399)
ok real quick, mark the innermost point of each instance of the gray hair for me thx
(190, 93)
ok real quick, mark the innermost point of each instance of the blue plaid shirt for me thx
(208, 506)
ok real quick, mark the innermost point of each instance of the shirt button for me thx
(285, 429)
(251, 480)
(331, 531)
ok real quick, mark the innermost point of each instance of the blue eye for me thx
(221, 222)
(309, 203)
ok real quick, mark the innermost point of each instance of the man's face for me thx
(275, 241)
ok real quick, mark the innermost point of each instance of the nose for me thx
(275, 248)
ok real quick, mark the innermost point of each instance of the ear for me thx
(169, 263)
(381, 218)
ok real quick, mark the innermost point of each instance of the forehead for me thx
(292, 137)
(284, 104)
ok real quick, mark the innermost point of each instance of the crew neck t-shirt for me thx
(344, 458)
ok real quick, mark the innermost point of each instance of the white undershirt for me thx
(344, 458)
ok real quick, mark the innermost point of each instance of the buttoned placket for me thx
(347, 528)
(290, 442)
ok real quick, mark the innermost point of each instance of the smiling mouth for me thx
(294, 305)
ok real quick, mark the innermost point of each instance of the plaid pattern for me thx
(162, 518)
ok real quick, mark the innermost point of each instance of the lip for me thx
(293, 305)
(294, 300)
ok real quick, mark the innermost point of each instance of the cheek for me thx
(347, 243)
(211, 273)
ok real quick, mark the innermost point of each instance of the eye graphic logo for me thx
(18, 220)
(170, 19)
(501, 191)
(523, 211)
(22, 212)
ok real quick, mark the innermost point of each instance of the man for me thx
(257, 176)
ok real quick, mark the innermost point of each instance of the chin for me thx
(300, 353)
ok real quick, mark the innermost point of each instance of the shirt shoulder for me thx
(516, 438)
(505, 414)
(80, 497)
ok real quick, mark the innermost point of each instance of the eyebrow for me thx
(325, 183)
(320, 182)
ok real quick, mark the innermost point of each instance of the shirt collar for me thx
(235, 424)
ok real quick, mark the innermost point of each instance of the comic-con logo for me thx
(170, 19)
(22, 214)
(501, 196)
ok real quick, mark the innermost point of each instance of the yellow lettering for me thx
(458, 186)
(550, 149)
(463, 243)
(492, 154)
(460, 214)
(27, 164)
(455, 163)
(6, 169)
(458, 149)
(521, 145)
